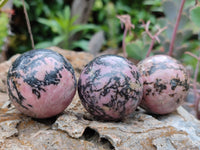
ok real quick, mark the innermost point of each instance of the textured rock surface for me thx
(76, 129)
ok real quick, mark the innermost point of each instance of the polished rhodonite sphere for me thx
(165, 84)
(41, 83)
(110, 87)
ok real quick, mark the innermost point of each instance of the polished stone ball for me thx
(41, 83)
(110, 87)
(165, 82)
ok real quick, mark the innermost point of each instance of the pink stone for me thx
(110, 87)
(165, 84)
(41, 83)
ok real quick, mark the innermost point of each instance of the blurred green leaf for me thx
(83, 44)
(64, 26)
(44, 44)
(53, 24)
(136, 50)
(3, 2)
(4, 20)
(184, 20)
(195, 15)
(124, 8)
(18, 4)
(170, 29)
(170, 10)
(59, 39)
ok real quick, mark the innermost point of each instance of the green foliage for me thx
(170, 10)
(187, 59)
(107, 18)
(18, 3)
(40, 7)
(155, 5)
(137, 49)
(194, 14)
(64, 27)
(48, 21)
(4, 20)
(20, 41)
(3, 2)
(51, 24)
(106, 11)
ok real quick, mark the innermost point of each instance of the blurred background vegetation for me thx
(53, 24)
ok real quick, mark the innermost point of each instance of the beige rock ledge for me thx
(75, 129)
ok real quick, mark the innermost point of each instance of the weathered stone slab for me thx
(141, 131)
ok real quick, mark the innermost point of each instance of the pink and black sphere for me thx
(110, 87)
(165, 82)
(41, 83)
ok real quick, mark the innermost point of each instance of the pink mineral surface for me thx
(165, 82)
(41, 83)
(110, 87)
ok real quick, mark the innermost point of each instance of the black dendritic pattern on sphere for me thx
(117, 85)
